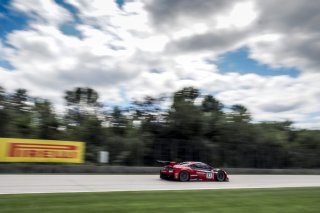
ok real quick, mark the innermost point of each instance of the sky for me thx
(260, 54)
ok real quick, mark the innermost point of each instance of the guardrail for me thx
(106, 169)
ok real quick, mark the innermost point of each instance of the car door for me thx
(208, 170)
(202, 171)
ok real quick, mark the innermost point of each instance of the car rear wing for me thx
(164, 162)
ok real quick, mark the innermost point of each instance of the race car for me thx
(190, 170)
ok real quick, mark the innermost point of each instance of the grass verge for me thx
(235, 200)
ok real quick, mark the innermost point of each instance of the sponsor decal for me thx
(201, 173)
(42, 150)
(209, 175)
(29, 150)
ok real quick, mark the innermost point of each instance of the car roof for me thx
(189, 162)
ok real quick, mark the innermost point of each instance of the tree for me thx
(82, 97)
(81, 102)
(184, 126)
(214, 122)
(210, 104)
(45, 120)
(214, 117)
(240, 114)
(305, 149)
(185, 118)
(20, 108)
(185, 131)
(147, 109)
(185, 95)
(82, 119)
(119, 122)
(19, 101)
(4, 114)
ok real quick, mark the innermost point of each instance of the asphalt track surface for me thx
(19, 184)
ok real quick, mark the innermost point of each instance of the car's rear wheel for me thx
(184, 176)
(221, 176)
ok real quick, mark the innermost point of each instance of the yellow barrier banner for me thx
(32, 150)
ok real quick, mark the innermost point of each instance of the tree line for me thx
(145, 131)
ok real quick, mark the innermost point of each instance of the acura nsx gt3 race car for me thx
(187, 171)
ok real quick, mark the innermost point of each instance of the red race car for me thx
(190, 170)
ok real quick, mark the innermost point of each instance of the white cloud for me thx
(43, 11)
(241, 15)
(156, 47)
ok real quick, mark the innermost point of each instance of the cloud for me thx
(280, 107)
(216, 42)
(43, 11)
(301, 50)
(297, 29)
(152, 47)
(216, 26)
(296, 17)
(181, 13)
(294, 29)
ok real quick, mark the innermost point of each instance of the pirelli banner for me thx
(30, 150)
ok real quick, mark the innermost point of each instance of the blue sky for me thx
(69, 27)
(10, 20)
(240, 62)
(14, 20)
(127, 50)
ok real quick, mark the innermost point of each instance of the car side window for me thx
(194, 166)
(207, 167)
(200, 166)
(204, 166)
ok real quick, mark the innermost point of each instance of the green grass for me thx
(235, 200)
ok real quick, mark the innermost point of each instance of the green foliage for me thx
(240, 114)
(45, 120)
(4, 114)
(145, 132)
(210, 104)
(293, 200)
(82, 96)
(19, 114)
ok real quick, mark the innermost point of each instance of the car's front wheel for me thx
(221, 176)
(162, 176)
(184, 176)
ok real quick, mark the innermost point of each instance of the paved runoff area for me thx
(17, 184)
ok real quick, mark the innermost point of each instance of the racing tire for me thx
(184, 176)
(162, 176)
(221, 176)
